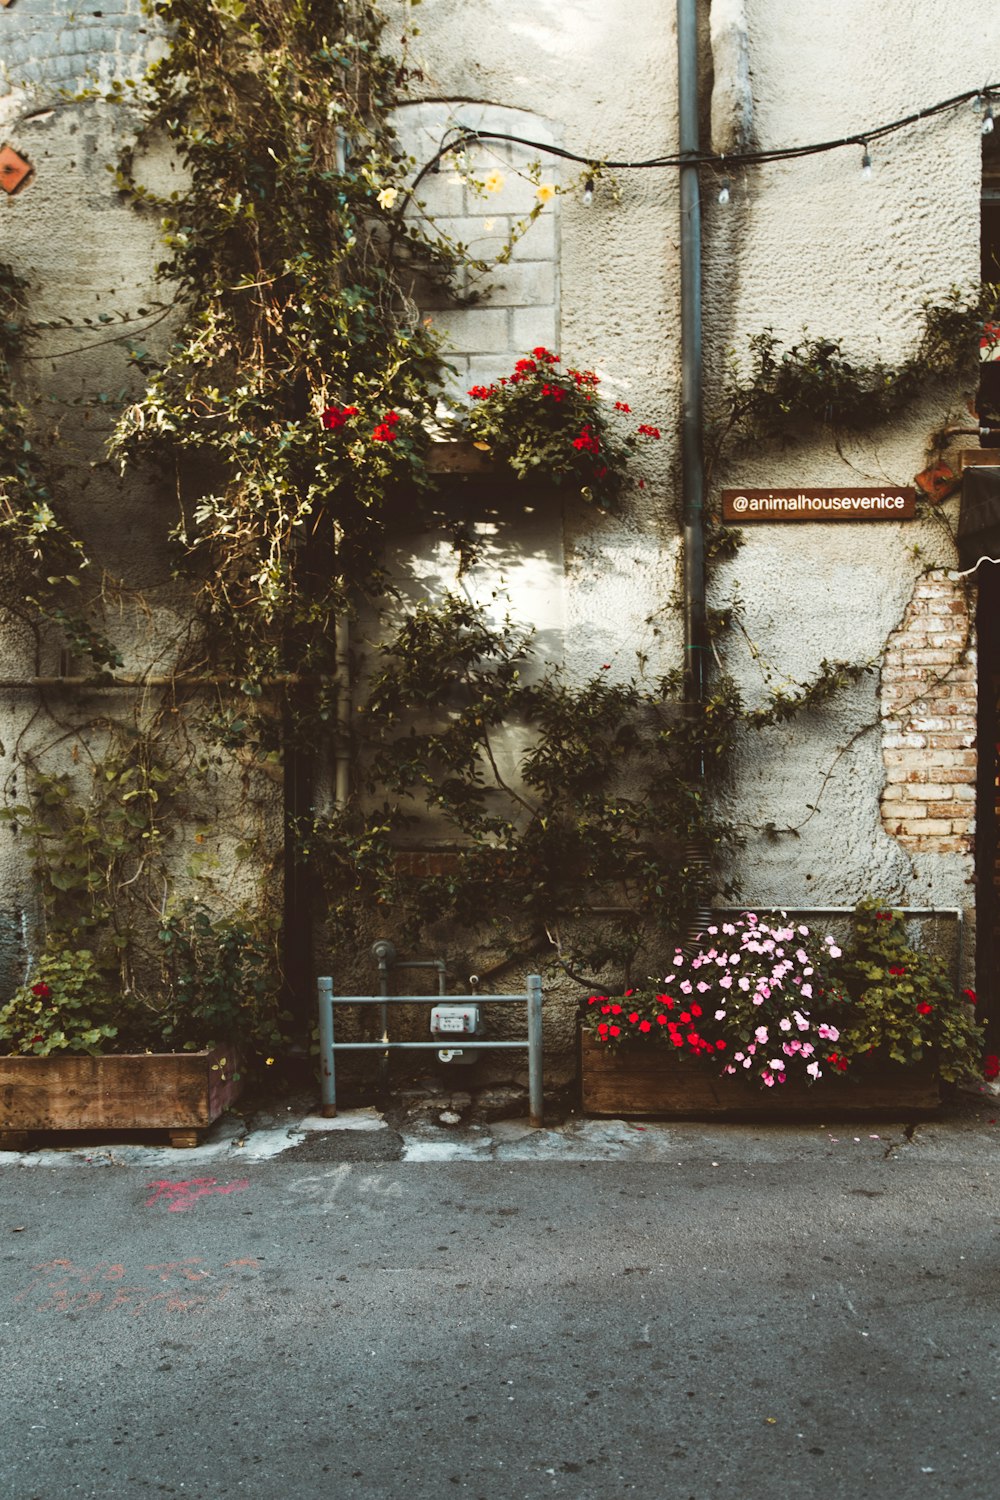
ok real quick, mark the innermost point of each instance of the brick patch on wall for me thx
(929, 722)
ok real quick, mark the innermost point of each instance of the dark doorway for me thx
(988, 632)
(988, 798)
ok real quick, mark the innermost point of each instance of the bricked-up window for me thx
(517, 304)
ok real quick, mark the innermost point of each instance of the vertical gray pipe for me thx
(692, 464)
(692, 461)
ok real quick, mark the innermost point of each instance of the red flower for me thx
(720, 1045)
(883, 916)
(526, 367)
(970, 995)
(634, 1017)
(645, 1025)
(685, 1016)
(483, 392)
(897, 970)
(602, 1028)
(696, 1010)
(615, 1030)
(587, 441)
(677, 1039)
(646, 431)
(41, 989)
(661, 1021)
(542, 353)
(605, 1010)
(335, 416)
(923, 1009)
(840, 1063)
(991, 1065)
(622, 406)
(593, 1000)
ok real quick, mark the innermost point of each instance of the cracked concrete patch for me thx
(346, 1145)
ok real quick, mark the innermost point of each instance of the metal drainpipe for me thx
(692, 461)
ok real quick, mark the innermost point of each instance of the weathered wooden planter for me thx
(649, 1082)
(179, 1092)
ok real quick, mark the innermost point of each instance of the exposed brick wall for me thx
(929, 722)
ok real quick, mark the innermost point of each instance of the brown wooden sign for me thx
(882, 504)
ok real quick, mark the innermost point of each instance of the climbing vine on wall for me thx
(293, 412)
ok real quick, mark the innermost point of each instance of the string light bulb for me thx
(724, 193)
(866, 166)
(588, 192)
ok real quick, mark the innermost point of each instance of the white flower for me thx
(387, 197)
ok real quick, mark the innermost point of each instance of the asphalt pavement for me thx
(346, 1309)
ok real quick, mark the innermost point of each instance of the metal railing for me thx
(328, 1045)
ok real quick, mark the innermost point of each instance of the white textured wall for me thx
(801, 245)
(810, 246)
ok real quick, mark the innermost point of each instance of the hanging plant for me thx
(552, 425)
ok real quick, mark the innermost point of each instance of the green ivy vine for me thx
(293, 412)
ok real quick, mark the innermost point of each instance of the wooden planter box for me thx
(649, 1082)
(180, 1092)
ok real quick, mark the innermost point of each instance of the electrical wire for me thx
(466, 137)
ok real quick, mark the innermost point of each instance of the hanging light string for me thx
(463, 137)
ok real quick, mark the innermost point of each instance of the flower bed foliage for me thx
(772, 1003)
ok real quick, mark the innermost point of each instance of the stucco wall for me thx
(802, 245)
(806, 245)
(812, 246)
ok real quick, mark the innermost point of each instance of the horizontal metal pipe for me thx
(446, 1044)
(427, 999)
(176, 679)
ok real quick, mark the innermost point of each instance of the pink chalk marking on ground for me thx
(178, 1286)
(184, 1195)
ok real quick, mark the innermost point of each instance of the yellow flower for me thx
(493, 182)
(387, 197)
(545, 192)
(269, 1062)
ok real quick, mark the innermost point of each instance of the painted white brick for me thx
(470, 230)
(517, 196)
(524, 284)
(531, 326)
(475, 330)
(485, 370)
(440, 195)
(538, 242)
